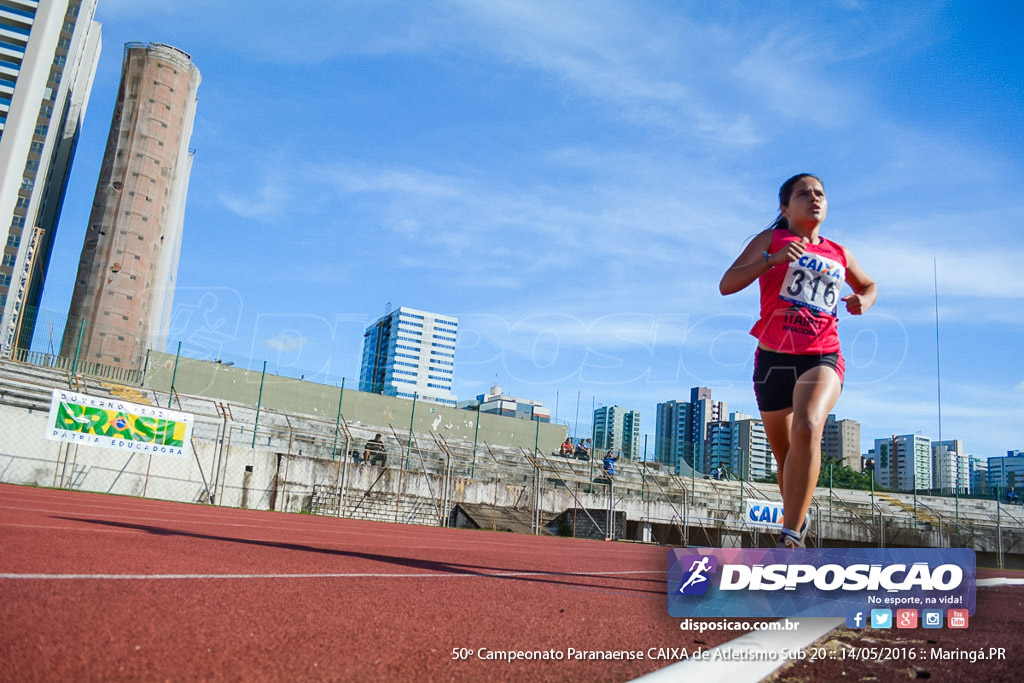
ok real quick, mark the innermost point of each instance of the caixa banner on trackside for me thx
(764, 513)
(111, 423)
(818, 582)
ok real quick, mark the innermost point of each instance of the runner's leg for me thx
(777, 425)
(814, 397)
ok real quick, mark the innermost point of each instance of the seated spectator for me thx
(374, 451)
(567, 447)
(582, 452)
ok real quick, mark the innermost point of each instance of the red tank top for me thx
(799, 300)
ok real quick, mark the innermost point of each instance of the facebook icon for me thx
(855, 619)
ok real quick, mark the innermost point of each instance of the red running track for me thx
(179, 591)
(143, 590)
(928, 654)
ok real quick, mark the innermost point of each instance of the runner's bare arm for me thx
(865, 291)
(753, 263)
(748, 266)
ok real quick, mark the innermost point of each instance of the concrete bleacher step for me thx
(24, 395)
(34, 374)
(12, 373)
(35, 384)
(17, 400)
(25, 390)
(130, 394)
(922, 515)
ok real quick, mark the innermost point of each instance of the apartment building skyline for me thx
(1006, 471)
(617, 428)
(681, 429)
(740, 445)
(904, 462)
(49, 52)
(497, 402)
(840, 442)
(124, 289)
(410, 353)
(951, 465)
(979, 475)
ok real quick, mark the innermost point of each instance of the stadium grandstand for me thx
(243, 454)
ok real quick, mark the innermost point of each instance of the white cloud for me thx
(268, 202)
(907, 267)
(286, 341)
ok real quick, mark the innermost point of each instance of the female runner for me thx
(798, 366)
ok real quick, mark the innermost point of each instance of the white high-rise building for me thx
(499, 403)
(48, 56)
(904, 463)
(951, 466)
(411, 354)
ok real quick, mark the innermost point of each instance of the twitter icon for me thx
(881, 618)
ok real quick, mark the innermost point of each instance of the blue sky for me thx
(572, 178)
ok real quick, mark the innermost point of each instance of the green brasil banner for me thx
(112, 423)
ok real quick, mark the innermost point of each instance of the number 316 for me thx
(796, 287)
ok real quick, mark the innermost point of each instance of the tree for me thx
(845, 477)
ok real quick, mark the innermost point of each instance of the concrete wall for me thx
(238, 385)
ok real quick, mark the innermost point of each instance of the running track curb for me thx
(999, 581)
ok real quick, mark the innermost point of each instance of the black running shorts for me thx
(775, 375)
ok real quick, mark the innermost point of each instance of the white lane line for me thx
(746, 659)
(357, 575)
(1000, 581)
